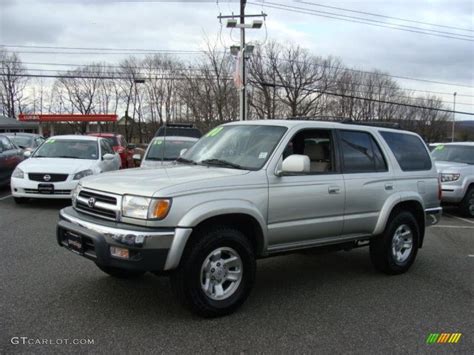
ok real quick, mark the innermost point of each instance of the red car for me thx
(120, 145)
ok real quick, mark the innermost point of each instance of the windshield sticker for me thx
(214, 132)
(50, 141)
(262, 155)
(439, 147)
(158, 142)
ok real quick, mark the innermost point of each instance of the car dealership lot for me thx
(315, 303)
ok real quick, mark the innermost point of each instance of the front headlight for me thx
(75, 193)
(82, 174)
(145, 207)
(450, 177)
(18, 173)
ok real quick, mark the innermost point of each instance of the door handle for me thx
(388, 187)
(334, 189)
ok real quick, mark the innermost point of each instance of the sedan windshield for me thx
(167, 149)
(68, 148)
(454, 153)
(236, 146)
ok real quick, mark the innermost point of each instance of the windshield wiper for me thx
(186, 161)
(220, 162)
(159, 159)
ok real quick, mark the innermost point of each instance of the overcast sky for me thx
(183, 25)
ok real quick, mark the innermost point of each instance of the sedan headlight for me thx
(145, 207)
(450, 177)
(18, 173)
(82, 174)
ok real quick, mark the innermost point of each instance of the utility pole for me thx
(243, 90)
(243, 51)
(454, 116)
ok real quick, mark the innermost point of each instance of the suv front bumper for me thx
(149, 249)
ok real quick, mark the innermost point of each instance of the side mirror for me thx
(295, 164)
(27, 154)
(137, 157)
(108, 157)
(182, 151)
(131, 146)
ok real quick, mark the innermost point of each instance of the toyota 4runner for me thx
(248, 190)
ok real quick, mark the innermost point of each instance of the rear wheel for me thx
(20, 200)
(216, 273)
(395, 250)
(120, 273)
(467, 204)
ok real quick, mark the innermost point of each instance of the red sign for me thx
(67, 118)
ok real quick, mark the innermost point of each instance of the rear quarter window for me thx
(409, 150)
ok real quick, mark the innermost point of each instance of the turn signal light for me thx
(161, 208)
(120, 253)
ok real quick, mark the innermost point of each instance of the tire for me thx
(120, 273)
(467, 204)
(216, 256)
(20, 200)
(389, 252)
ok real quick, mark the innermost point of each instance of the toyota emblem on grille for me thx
(91, 202)
(47, 177)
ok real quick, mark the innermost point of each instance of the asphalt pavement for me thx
(327, 303)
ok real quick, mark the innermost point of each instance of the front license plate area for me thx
(47, 189)
(74, 242)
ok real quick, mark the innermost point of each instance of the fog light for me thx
(120, 253)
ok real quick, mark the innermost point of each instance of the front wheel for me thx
(467, 204)
(395, 250)
(216, 273)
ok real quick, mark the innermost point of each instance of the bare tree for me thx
(12, 83)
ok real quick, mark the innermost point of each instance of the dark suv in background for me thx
(179, 130)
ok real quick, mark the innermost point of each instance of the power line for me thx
(104, 49)
(363, 98)
(353, 19)
(153, 75)
(149, 51)
(383, 16)
(105, 77)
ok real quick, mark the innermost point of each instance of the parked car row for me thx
(39, 168)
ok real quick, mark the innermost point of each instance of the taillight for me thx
(440, 189)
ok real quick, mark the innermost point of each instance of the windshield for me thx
(167, 150)
(238, 146)
(22, 141)
(454, 153)
(68, 148)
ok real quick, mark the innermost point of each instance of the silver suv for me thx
(455, 163)
(249, 190)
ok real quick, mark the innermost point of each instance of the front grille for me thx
(104, 206)
(55, 192)
(52, 177)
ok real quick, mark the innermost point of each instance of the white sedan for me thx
(56, 167)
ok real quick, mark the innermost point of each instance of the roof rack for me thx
(181, 125)
(372, 123)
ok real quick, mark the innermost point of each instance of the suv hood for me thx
(147, 182)
(56, 165)
(448, 165)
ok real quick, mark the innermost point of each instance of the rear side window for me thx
(360, 153)
(409, 150)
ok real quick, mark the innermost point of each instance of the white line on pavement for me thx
(471, 256)
(445, 226)
(461, 219)
(5, 197)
